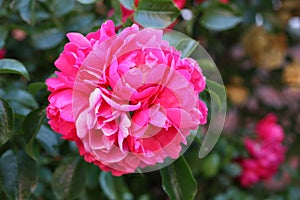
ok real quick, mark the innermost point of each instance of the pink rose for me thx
(267, 128)
(249, 175)
(2, 53)
(266, 152)
(127, 100)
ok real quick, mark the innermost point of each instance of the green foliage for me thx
(220, 18)
(156, 13)
(26, 10)
(3, 36)
(69, 178)
(47, 39)
(129, 4)
(31, 127)
(178, 181)
(6, 122)
(114, 188)
(13, 66)
(18, 174)
(34, 88)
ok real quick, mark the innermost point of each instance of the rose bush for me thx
(2, 53)
(134, 99)
(38, 163)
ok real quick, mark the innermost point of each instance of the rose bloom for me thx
(268, 129)
(266, 152)
(2, 53)
(128, 101)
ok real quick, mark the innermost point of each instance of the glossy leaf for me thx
(186, 46)
(219, 19)
(49, 140)
(31, 127)
(217, 92)
(129, 4)
(34, 88)
(9, 173)
(47, 39)
(81, 23)
(13, 67)
(181, 42)
(114, 187)
(210, 165)
(26, 10)
(156, 13)
(6, 121)
(61, 8)
(207, 65)
(27, 175)
(117, 16)
(69, 178)
(18, 174)
(21, 101)
(178, 181)
(86, 1)
(3, 36)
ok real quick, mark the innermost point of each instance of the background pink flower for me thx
(2, 53)
(266, 152)
(127, 100)
(268, 129)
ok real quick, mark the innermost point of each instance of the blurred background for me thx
(254, 43)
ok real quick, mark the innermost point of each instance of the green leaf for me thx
(69, 179)
(114, 187)
(3, 36)
(18, 174)
(6, 122)
(14, 67)
(86, 1)
(117, 16)
(47, 39)
(210, 165)
(9, 173)
(207, 65)
(27, 175)
(81, 23)
(181, 42)
(233, 169)
(26, 10)
(61, 8)
(218, 104)
(49, 140)
(31, 127)
(156, 13)
(294, 192)
(21, 101)
(217, 92)
(178, 181)
(129, 4)
(219, 19)
(187, 46)
(34, 88)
